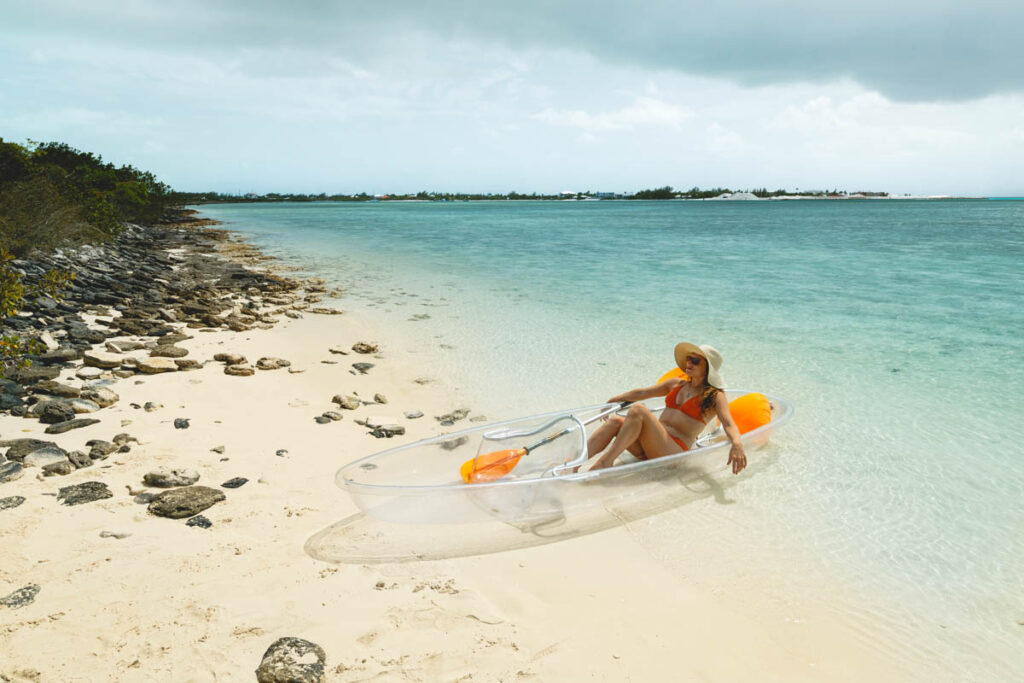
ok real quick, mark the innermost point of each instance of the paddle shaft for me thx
(549, 439)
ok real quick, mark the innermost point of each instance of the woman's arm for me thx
(634, 395)
(737, 456)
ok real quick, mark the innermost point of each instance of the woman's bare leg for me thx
(640, 428)
(603, 435)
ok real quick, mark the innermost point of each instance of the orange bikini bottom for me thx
(682, 444)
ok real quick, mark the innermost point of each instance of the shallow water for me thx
(895, 326)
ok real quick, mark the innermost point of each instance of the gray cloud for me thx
(909, 51)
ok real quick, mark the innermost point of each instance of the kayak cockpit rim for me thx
(782, 410)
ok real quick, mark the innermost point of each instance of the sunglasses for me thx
(694, 360)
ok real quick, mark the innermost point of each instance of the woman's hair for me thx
(707, 398)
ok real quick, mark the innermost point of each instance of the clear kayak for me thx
(420, 483)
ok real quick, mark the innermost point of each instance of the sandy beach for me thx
(125, 595)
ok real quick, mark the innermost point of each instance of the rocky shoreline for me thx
(135, 305)
(131, 303)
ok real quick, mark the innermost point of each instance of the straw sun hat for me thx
(709, 353)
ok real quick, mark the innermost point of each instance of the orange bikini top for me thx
(690, 407)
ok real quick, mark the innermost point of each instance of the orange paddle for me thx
(497, 464)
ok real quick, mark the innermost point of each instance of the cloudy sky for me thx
(389, 96)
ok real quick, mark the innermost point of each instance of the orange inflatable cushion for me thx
(751, 411)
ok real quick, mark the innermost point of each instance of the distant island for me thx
(666, 193)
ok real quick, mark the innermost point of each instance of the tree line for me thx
(52, 194)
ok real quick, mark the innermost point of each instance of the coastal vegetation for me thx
(53, 195)
(666, 192)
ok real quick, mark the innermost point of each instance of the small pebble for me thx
(181, 423)
(217, 449)
(234, 483)
(200, 521)
(413, 414)
(115, 534)
(281, 452)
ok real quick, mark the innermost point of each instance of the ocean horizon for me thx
(893, 325)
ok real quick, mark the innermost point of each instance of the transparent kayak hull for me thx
(419, 483)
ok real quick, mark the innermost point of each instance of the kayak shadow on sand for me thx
(361, 539)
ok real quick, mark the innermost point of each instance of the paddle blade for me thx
(490, 466)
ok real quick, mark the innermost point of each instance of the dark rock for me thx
(187, 364)
(55, 388)
(388, 431)
(200, 521)
(32, 374)
(19, 448)
(99, 450)
(84, 493)
(234, 483)
(181, 423)
(322, 419)
(59, 356)
(10, 470)
(11, 502)
(10, 401)
(362, 368)
(22, 596)
(123, 439)
(364, 347)
(292, 660)
(184, 502)
(19, 411)
(334, 415)
(62, 427)
(56, 411)
(230, 358)
(62, 468)
(80, 459)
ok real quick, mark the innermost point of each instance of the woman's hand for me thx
(737, 458)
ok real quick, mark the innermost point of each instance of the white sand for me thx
(175, 603)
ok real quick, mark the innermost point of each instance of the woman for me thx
(690, 401)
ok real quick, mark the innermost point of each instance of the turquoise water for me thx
(895, 326)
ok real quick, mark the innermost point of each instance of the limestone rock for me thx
(168, 351)
(81, 405)
(84, 493)
(89, 373)
(292, 660)
(234, 483)
(380, 398)
(230, 358)
(413, 414)
(104, 397)
(187, 364)
(80, 459)
(272, 363)
(347, 402)
(101, 359)
(152, 366)
(239, 370)
(184, 502)
(365, 347)
(123, 346)
(166, 478)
